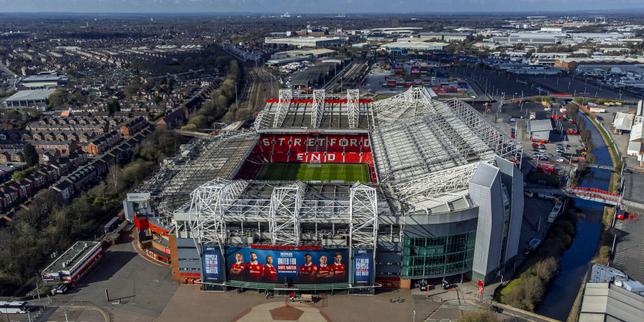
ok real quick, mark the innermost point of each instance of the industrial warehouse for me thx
(339, 193)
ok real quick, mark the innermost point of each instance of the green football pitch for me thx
(347, 172)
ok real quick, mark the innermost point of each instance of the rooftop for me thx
(72, 256)
(607, 302)
(31, 95)
(539, 125)
(220, 157)
(45, 77)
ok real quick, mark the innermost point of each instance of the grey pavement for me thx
(138, 290)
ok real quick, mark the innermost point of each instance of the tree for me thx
(199, 121)
(30, 154)
(546, 269)
(113, 106)
(480, 316)
(132, 89)
(58, 98)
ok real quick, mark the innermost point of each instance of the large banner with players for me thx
(292, 266)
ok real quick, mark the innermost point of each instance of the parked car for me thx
(60, 289)
(621, 214)
(533, 244)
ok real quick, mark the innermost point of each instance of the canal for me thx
(561, 293)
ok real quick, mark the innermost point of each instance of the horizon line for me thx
(639, 10)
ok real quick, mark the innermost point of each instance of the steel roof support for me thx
(285, 98)
(363, 221)
(504, 146)
(317, 111)
(353, 104)
(363, 216)
(412, 103)
(284, 213)
(207, 209)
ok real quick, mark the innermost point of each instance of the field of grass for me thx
(348, 172)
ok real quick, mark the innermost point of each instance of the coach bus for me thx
(13, 307)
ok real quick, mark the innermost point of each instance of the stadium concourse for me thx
(339, 193)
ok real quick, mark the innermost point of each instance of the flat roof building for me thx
(608, 302)
(32, 98)
(540, 130)
(73, 263)
(414, 45)
(44, 80)
(623, 122)
(313, 42)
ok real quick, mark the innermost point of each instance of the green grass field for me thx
(348, 172)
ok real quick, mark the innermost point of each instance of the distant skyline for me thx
(316, 6)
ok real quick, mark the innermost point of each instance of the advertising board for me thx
(362, 266)
(212, 264)
(287, 266)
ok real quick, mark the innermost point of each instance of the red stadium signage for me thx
(329, 101)
(325, 141)
(284, 247)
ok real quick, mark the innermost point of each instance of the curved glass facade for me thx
(438, 256)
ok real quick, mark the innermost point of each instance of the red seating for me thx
(305, 148)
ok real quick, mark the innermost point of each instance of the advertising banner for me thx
(281, 266)
(362, 266)
(212, 264)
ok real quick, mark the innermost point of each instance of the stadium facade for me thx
(441, 196)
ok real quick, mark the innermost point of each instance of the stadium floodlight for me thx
(317, 111)
(353, 105)
(283, 103)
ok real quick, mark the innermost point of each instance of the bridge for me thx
(590, 194)
(601, 166)
(596, 195)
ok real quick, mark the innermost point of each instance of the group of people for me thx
(308, 272)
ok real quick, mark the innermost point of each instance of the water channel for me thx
(562, 291)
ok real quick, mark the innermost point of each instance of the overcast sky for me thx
(314, 6)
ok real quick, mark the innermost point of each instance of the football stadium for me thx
(338, 193)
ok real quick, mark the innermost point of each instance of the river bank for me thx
(560, 297)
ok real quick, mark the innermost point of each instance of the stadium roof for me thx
(316, 112)
(219, 157)
(320, 202)
(427, 150)
(425, 153)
